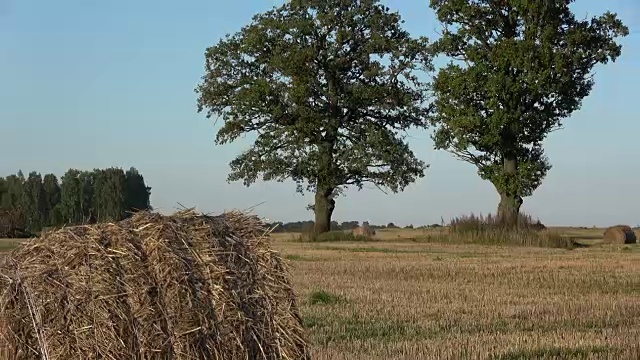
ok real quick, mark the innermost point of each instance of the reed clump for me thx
(489, 230)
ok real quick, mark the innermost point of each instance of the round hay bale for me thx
(619, 234)
(185, 286)
(363, 231)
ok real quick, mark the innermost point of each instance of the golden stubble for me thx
(412, 300)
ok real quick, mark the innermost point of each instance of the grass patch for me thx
(488, 230)
(330, 327)
(300, 258)
(294, 257)
(371, 250)
(631, 248)
(354, 328)
(322, 297)
(333, 236)
(400, 251)
(312, 321)
(582, 352)
(8, 245)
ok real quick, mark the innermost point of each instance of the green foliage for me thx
(518, 68)
(71, 198)
(307, 226)
(329, 87)
(558, 352)
(52, 191)
(328, 329)
(109, 195)
(136, 192)
(322, 297)
(34, 203)
(347, 225)
(81, 197)
(87, 196)
(12, 197)
(3, 191)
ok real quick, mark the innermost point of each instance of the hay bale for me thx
(363, 231)
(185, 286)
(619, 234)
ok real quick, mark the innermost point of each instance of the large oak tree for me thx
(329, 87)
(519, 67)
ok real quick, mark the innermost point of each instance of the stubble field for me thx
(398, 297)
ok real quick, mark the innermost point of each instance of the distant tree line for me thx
(307, 226)
(32, 203)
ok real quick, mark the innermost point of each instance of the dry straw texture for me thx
(619, 234)
(185, 286)
(414, 301)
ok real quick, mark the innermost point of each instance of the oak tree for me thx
(518, 68)
(329, 87)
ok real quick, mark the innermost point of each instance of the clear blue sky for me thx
(88, 84)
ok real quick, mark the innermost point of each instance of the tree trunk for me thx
(509, 209)
(324, 206)
(510, 202)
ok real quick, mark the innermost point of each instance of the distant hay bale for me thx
(363, 231)
(539, 226)
(185, 286)
(619, 234)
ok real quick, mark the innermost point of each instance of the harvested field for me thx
(394, 299)
(151, 287)
(8, 244)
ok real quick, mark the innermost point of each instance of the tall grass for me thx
(479, 223)
(488, 230)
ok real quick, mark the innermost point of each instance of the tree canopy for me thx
(329, 87)
(518, 68)
(80, 197)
